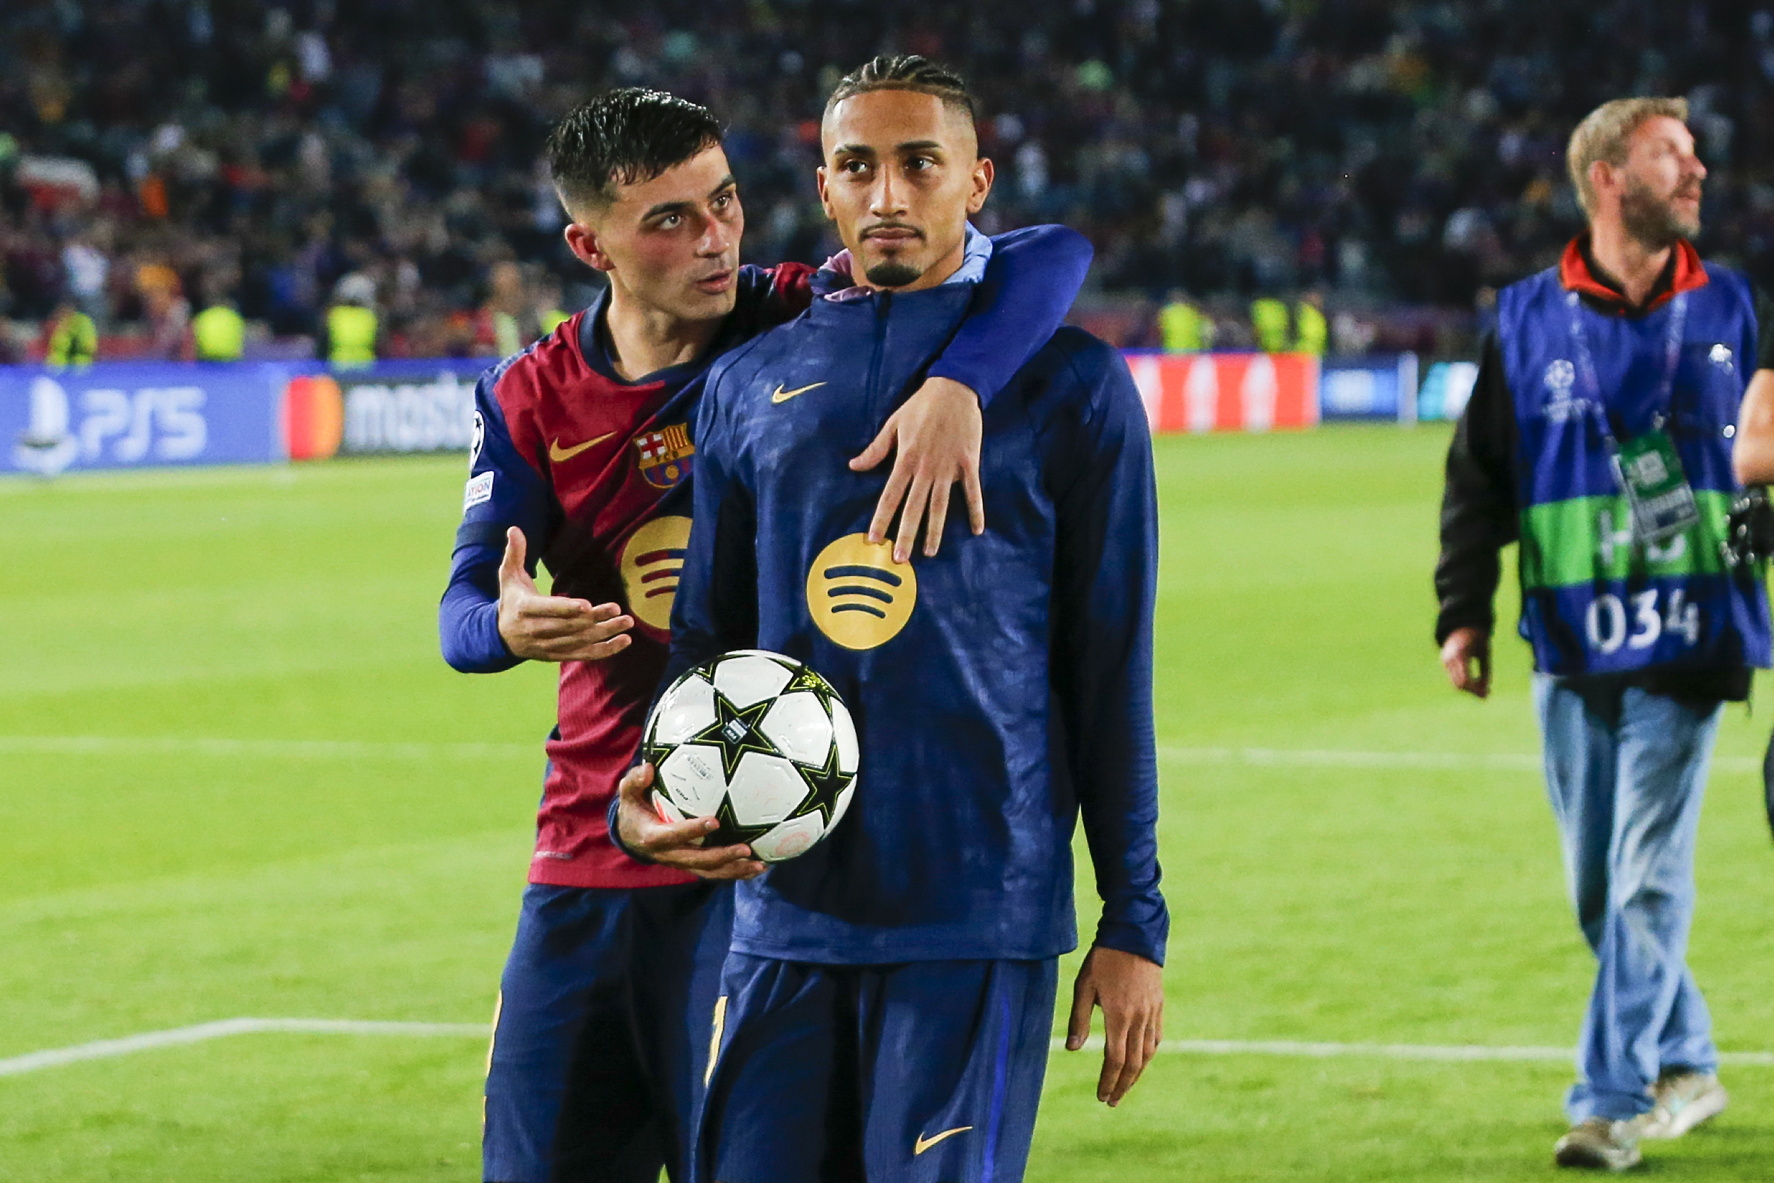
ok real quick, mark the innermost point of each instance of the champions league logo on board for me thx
(665, 455)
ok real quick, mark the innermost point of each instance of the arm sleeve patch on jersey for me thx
(478, 492)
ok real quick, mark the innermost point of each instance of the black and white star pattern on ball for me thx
(823, 787)
(806, 680)
(735, 732)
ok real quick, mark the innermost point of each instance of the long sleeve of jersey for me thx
(1029, 284)
(503, 490)
(1104, 591)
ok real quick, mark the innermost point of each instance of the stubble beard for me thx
(1653, 220)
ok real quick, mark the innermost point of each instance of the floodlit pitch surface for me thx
(359, 855)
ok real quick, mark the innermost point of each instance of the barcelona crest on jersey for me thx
(665, 455)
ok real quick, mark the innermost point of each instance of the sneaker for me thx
(1599, 1144)
(1682, 1101)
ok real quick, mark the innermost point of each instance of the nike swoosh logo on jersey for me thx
(782, 396)
(923, 1143)
(558, 454)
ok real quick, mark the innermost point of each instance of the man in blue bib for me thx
(1599, 437)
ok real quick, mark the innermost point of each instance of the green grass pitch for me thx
(153, 881)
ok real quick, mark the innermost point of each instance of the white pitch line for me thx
(1457, 1053)
(176, 1036)
(1338, 758)
(149, 1040)
(333, 749)
(298, 749)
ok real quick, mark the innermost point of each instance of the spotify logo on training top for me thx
(858, 595)
(651, 564)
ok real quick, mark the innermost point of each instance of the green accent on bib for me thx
(1566, 543)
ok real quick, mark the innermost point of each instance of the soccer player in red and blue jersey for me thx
(582, 459)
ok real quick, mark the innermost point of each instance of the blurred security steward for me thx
(73, 338)
(351, 325)
(1599, 437)
(1277, 330)
(1183, 327)
(219, 333)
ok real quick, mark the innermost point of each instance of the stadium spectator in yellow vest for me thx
(1305, 331)
(1182, 327)
(73, 337)
(348, 337)
(219, 332)
(1269, 324)
(1311, 330)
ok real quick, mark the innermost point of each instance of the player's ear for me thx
(582, 240)
(983, 172)
(824, 201)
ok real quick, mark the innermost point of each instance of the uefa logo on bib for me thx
(858, 595)
(1561, 375)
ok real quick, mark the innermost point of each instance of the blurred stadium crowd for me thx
(157, 155)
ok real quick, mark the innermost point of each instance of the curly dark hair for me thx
(624, 136)
(905, 71)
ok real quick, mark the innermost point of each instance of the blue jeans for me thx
(1626, 771)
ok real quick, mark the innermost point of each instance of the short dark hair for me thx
(624, 136)
(905, 71)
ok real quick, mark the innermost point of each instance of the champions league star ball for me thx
(759, 741)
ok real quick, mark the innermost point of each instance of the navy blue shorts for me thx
(926, 1072)
(594, 1067)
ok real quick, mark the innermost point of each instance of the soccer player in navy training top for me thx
(886, 1007)
(583, 457)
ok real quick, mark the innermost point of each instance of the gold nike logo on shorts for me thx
(558, 454)
(782, 396)
(923, 1143)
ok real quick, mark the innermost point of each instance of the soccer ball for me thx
(759, 741)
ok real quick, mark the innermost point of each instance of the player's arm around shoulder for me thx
(1030, 281)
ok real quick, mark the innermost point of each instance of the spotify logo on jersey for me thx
(858, 595)
(651, 564)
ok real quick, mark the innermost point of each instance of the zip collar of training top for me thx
(977, 253)
(1579, 272)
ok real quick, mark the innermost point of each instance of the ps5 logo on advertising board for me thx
(105, 425)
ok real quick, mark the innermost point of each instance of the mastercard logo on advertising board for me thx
(313, 417)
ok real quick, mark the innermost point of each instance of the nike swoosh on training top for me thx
(556, 453)
(923, 1143)
(782, 396)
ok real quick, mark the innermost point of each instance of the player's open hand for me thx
(676, 844)
(553, 628)
(1130, 989)
(936, 434)
(1466, 655)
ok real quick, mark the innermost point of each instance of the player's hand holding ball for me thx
(677, 844)
(753, 752)
(553, 628)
